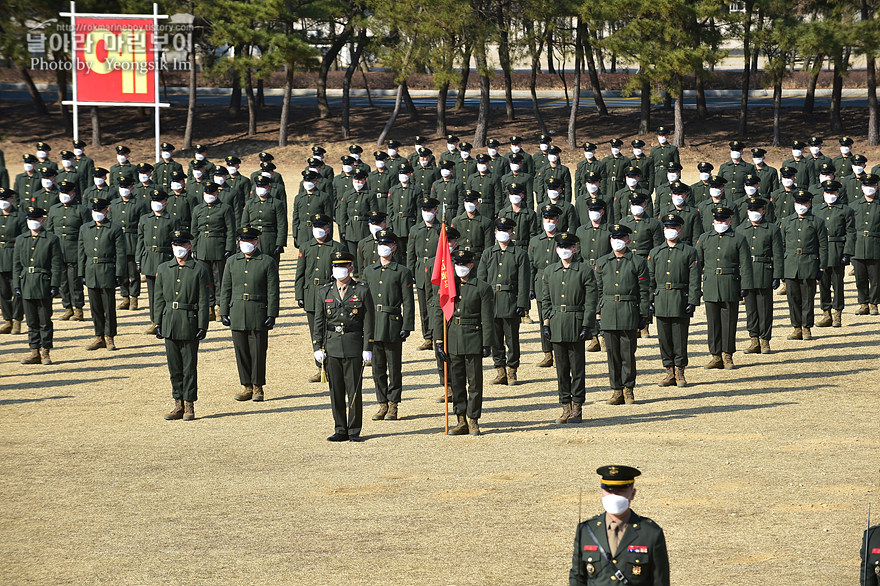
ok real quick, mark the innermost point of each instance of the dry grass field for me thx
(759, 474)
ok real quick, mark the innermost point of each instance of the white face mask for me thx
(829, 198)
(445, 173)
(268, 174)
(143, 178)
(637, 152)
(28, 166)
(392, 152)
(677, 200)
(757, 160)
(319, 232)
(470, 207)
(823, 178)
(42, 154)
(157, 206)
(715, 191)
(98, 216)
(450, 146)
(672, 177)
(515, 148)
(358, 185)
(844, 150)
(66, 163)
(814, 150)
(200, 157)
(869, 190)
(375, 229)
(209, 199)
(78, 152)
(661, 139)
(548, 226)
(800, 209)
(553, 194)
(617, 244)
(124, 192)
(670, 233)
(403, 177)
(632, 181)
(543, 146)
(34, 224)
(482, 167)
(5, 204)
(595, 215)
(615, 151)
(197, 173)
(750, 189)
(176, 185)
(796, 153)
(552, 158)
(121, 159)
(588, 155)
(858, 170)
(317, 156)
(347, 168)
(514, 166)
(262, 191)
(231, 170)
(720, 228)
(514, 198)
(179, 251)
(492, 152)
(380, 164)
(755, 216)
(47, 183)
(462, 271)
(704, 176)
(502, 236)
(99, 181)
(423, 163)
(735, 155)
(219, 179)
(428, 216)
(64, 197)
(787, 181)
(308, 185)
(592, 188)
(166, 155)
(615, 504)
(384, 250)
(246, 247)
(637, 210)
(564, 253)
(465, 155)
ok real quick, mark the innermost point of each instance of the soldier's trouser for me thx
(721, 319)
(424, 295)
(546, 346)
(215, 269)
(346, 377)
(801, 301)
(620, 346)
(867, 280)
(39, 321)
(831, 283)
(250, 355)
(103, 307)
(387, 371)
(759, 313)
(466, 375)
(310, 318)
(10, 304)
(151, 283)
(570, 360)
(353, 249)
(183, 358)
(506, 332)
(131, 285)
(672, 333)
(71, 287)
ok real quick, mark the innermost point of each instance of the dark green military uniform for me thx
(569, 220)
(344, 326)
(561, 176)
(354, 211)
(122, 167)
(233, 197)
(585, 168)
(700, 189)
(180, 205)
(623, 197)
(165, 167)
(768, 177)
(102, 267)
(542, 254)
(690, 215)
(154, 246)
(200, 157)
(806, 169)
(12, 225)
(100, 187)
(663, 191)
(83, 165)
(486, 183)
(498, 164)
(644, 164)
(707, 210)
(765, 246)
(213, 227)
(593, 235)
(615, 167)
(269, 216)
(367, 253)
(805, 240)
(403, 206)
(866, 258)
(305, 206)
(449, 192)
(516, 150)
(47, 195)
(65, 220)
(647, 232)
(421, 250)
(475, 229)
(841, 226)
(425, 175)
(523, 180)
(27, 183)
(379, 181)
(735, 170)
(662, 155)
(126, 213)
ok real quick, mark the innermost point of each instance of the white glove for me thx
(368, 356)
(319, 355)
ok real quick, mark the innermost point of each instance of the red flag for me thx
(443, 275)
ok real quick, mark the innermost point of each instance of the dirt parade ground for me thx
(761, 474)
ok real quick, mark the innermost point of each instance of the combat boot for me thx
(500, 376)
(511, 377)
(645, 333)
(111, 345)
(189, 411)
(315, 378)
(380, 414)
(836, 320)
(616, 397)
(566, 413)
(826, 320)
(594, 345)
(577, 413)
(132, 302)
(547, 361)
(392, 411)
(863, 309)
(765, 346)
(473, 426)
(715, 362)
(98, 342)
(258, 394)
(177, 412)
(68, 313)
(806, 334)
(426, 344)
(16, 326)
(781, 290)
(78, 314)
(796, 334)
(461, 428)
(44, 356)
(212, 315)
(34, 358)
(6, 328)
(727, 359)
(680, 380)
(527, 319)
(151, 331)
(669, 379)
(628, 396)
(873, 309)
(246, 395)
(602, 343)
(123, 304)
(754, 346)
(442, 398)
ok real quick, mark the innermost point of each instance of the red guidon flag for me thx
(443, 275)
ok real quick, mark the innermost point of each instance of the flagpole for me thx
(445, 348)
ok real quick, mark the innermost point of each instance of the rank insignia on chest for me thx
(875, 550)
(637, 570)
(329, 300)
(355, 298)
(591, 569)
(354, 311)
(637, 549)
(591, 548)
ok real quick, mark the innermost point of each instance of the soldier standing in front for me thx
(841, 226)
(12, 225)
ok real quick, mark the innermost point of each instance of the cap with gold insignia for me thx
(637, 143)
(672, 220)
(515, 157)
(472, 195)
(798, 144)
(359, 174)
(342, 257)
(826, 169)
(859, 160)
(447, 164)
(178, 176)
(99, 203)
(122, 150)
(66, 154)
(815, 141)
(870, 179)
(6, 193)
(637, 198)
(751, 179)
(493, 143)
(550, 211)
(565, 239)
(451, 139)
(265, 157)
(220, 170)
(755, 203)
(211, 188)
(124, 181)
(736, 145)
(554, 150)
(405, 167)
(319, 150)
(355, 149)
(553, 182)
(248, 233)
(758, 152)
(513, 187)
(662, 131)
(386, 236)
(484, 158)
(33, 213)
(595, 204)
(705, 167)
(619, 231)
(145, 168)
(48, 172)
(393, 144)
(232, 160)
(722, 213)
(505, 224)
(614, 477)
(545, 139)
(308, 175)
(200, 148)
(312, 161)
(592, 177)
(788, 171)
(425, 152)
(419, 140)
(515, 139)
(679, 188)
(617, 142)
(802, 196)
(589, 146)
(79, 144)
(29, 158)
(66, 186)
(831, 186)
(167, 146)
(428, 203)
(181, 237)
(263, 181)
(452, 233)
(99, 172)
(158, 195)
(320, 220)
(197, 164)
(462, 257)
(673, 166)
(42, 146)
(270, 166)
(717, 181)
(465, 146)
(376, 217)
(347, 160)
(845, 141)
(633, 171)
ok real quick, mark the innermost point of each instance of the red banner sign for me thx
(115, 60)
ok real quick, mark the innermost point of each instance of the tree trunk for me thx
(504, 59)
(410, 105)
(366, 84)
(442, 95)
(667, 100)
(533, 82)
(346, 81)
(483, 114)
(678, 114)
(326, 62)
(810, 98)
(645, 106)
(550, 68)
(285, 106)
(397, 101)
(836, 94)
(39, 104)
(96, 127)
(747, 70)
(234, 109)
(576, 101)
(873, 126)
(465, 74)
(702, 110)
(777, 110)
(594, 75)
(251, 105)
(191, 102)
(261, 97)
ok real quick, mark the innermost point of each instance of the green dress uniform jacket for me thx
(451, 195)
(806, 246)
(499, 166)
(541, 254)
(561, 173)
(583, 168)
(594, 243)
(180, 207)
(867, 220)
(765, 248)
(807, 174)
(623, 290)
(615, 167)
(527, 224)
(234, 200)
(674, 279)
(641, 554)
(582, 208)
(661, 155)
(840, 222)
(276, 191)
(106, 191)
(402, 207)
(525, 181)
(181, 299)
(528, 162)
(68, 175)
(569, 220)
(693, 222)
(154, 241)
(379, 184)
(391, 287)
(707, 215)
(162, 173)
(769, 180)
(620, 204)
(12, 225)
(354, 210)
(314, 269)
(647, 232)
(37, 264)
(492, 199)
(142, 192)
(421, 250)
(344, 327)
(735, 173)
(244, 186)
(424, 178)
(509, 274)
(195, 189)
(568, 300)
(306, 205)
(742, 210)
(126, 169)
(464, 169)
(368, 253)
(842, 165)
(25, 186)
(46, 198)
(250, 291)
(126, 215)
(472, 325)
(213, 229)
(727, 266)
(208, 169)
(646, 165)
(663, 196)
(783, 203)
(102, 254)
(477, 233)
(342, 183)
(65, 221)
(700, 191)
(85, 170)
(270, 217)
